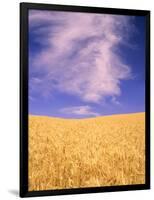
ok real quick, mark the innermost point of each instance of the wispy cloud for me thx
(79, 54)
(79, 110)
(115, 101)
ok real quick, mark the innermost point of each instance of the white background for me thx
(9, 98)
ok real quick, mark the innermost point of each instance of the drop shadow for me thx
(14, 192)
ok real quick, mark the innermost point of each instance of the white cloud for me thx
(79, 110)
(80, 56)
(115, 101)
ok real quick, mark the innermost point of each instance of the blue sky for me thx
(85, 65)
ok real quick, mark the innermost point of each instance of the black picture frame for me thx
(24, 7)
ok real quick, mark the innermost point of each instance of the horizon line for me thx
(80, 118)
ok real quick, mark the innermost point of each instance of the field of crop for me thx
(73, 153)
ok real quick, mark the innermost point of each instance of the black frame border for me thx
(24, 7)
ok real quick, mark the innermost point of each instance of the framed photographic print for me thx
(84, 99)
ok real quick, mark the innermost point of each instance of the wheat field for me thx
(73, 153)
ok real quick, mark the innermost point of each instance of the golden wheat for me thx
(73, 153)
